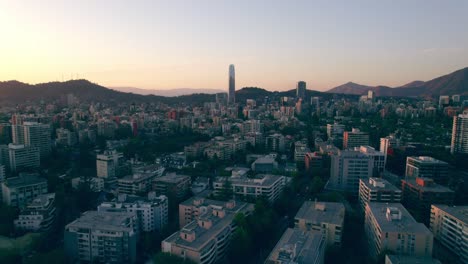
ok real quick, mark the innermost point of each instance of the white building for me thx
(152, 212)
(39, 215)
(377, 157)
(267, 185)
(33, 134)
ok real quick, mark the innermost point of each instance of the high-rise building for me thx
(107, 163)
(355, 138)
(33, 134)
(390, 227)
(301, 90)
(326, 217)
(347, 168)
(232, 85)
(104, 237)
(377, 157)
(449, 224)
(460, 134)
(335, 130)
(427, 167)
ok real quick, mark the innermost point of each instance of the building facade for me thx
(378, 190)
(460, 134)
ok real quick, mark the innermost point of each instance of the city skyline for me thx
(186, 45)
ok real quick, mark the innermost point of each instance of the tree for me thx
(226, 191)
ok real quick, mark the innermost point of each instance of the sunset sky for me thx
(273, 44)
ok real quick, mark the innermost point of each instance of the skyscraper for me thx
(232, 85)
(460, 134)
(301, 90)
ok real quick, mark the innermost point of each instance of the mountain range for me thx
(15, 92)
(168, 92)
(450, 84)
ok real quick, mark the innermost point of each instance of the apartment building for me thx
(390, 227)
(263, 185)
(299, 247)
(104, 237)
(326, 217)
(378, 190)
(20, 191)
(152, 212)
(39, 215)
(427, 167)
(172, 185)
(355, 138)
(449, 224)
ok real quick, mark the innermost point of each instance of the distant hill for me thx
(450, 84)
(351, 88)
(169, 92)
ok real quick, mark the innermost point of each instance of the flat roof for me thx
(24, 180)
(459, 212)
(426, 159)
(172, 178)
(399, 259)
(433, 187)
(333, 213)
(387, 185)
(103, 220)
(259, 180)
(306, 246)
(405, 224)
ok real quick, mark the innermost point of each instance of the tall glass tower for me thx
(232, 85)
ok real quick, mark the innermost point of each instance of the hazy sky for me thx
(180, 44)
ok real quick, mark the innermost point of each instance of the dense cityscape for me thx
(246, 176)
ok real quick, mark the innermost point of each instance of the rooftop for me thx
(322, 212)
(459, 212)
(42, 200)
(296, 246)
(426, 159)
(110, 221)
(399, 220)
(259, 180)
(429, 185)
(172, 178)
(24, 180)
(398, 259)
(379, 184)
(231, 206)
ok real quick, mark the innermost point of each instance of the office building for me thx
(174, 186)
(21, 190)
(21, 157)
(460, 134)
(196, 206)
(104, 237)
(205, 240)
(298, 247)
(378, 190)
(390, 227)
(326, 217)
(347, 168)
(39, 215)
(301, 90)
(420, 193)
(263, 185)
(449, 224)
(427, 167)
(152, 212)
(232, 85)
(355, 138)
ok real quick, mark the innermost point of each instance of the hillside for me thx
(450, 84)
(168, 92)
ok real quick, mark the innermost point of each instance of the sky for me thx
(273, 44)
